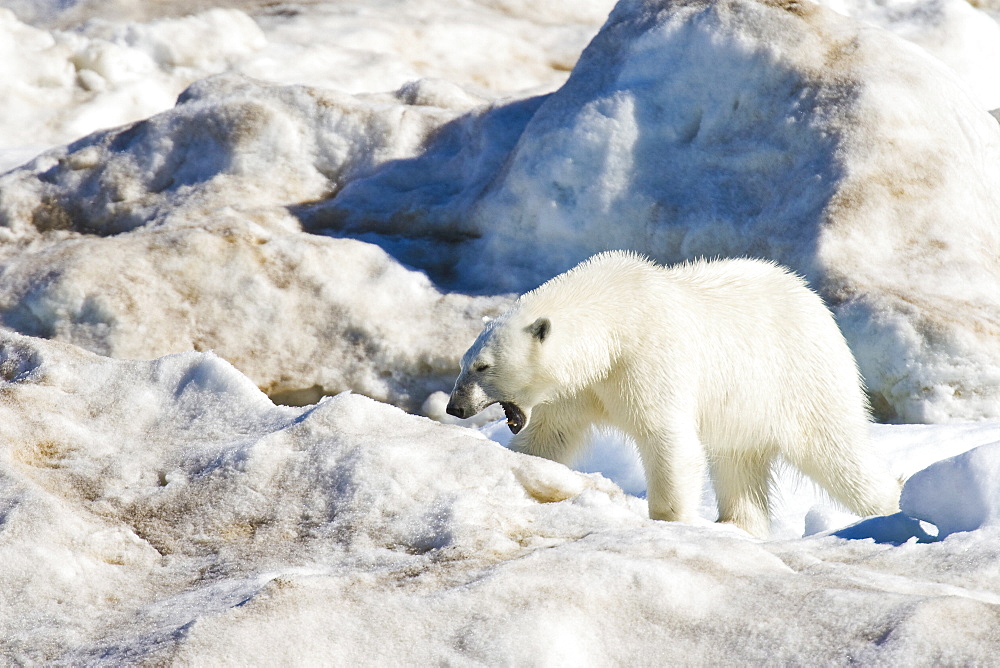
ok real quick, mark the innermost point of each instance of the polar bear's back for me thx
(717, 327)
(625, 270)
(770, 352)
(700, 302)
(757, 302)
(745, 275)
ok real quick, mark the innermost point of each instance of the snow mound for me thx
(229, 142)
(71, 68)
(959, 33)
(303, 316)
(59, 85)
(790, 132)
(215, 262)
(739, 127)
(961, 493)
(128, 483)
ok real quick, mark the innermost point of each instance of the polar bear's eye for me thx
(482, 366)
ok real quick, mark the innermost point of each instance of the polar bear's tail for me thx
(853, 476)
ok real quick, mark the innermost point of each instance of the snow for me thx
(167, 510)
(61, 85)
(237, 242)
(493, 195)
(75, 67)
(959, 493)
(952, 30)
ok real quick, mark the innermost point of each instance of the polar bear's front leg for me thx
(556, 431)
(675, 471)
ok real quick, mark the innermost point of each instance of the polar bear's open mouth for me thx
(515, 416)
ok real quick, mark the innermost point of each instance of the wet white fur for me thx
(727, 364)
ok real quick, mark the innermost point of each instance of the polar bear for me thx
(726, 364)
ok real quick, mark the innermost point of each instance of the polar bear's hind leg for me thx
(742, 481)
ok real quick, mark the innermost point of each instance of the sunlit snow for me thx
(243, 247)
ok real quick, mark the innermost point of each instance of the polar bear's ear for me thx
(540, 329)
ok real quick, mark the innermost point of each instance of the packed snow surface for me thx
(230, 231)
(168, 511)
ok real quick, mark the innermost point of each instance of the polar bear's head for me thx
(502, 366)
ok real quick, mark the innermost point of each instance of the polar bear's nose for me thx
(456, 410)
